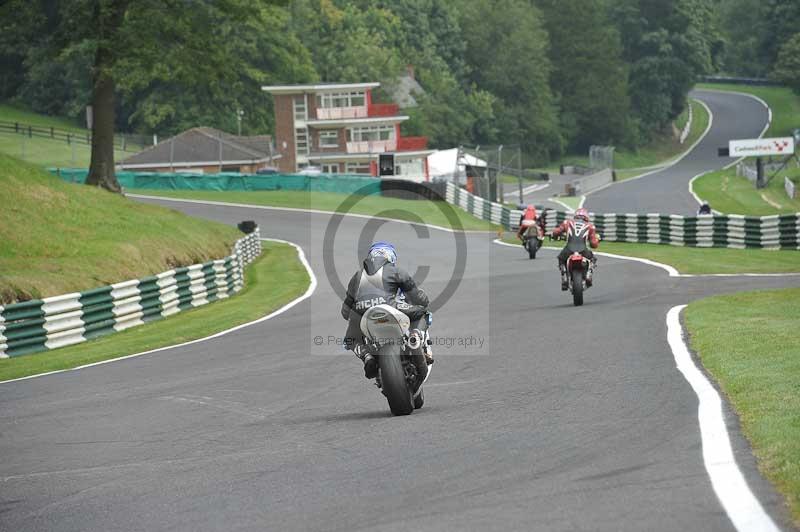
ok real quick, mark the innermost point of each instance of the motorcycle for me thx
(580, 270)
(402, 369)
(532, 239)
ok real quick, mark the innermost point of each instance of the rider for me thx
(578, 227)
(381, 281)
(527, 219)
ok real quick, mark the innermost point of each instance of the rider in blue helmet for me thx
(381, 281)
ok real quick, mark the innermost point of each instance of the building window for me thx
(329, 139)
(300, 108)
(301, 141)
(330, 168)
(341, 99)
(357, 168)
(363, 133)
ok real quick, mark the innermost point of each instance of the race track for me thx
(734, 116)
(563, 418)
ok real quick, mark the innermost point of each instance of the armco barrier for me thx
(68, 319)
(730, 231)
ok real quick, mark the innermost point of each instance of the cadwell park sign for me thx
(761, 147)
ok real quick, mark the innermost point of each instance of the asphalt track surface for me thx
(735, 116)
(564, 419)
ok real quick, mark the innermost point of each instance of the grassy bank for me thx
(726, 192)
(749, 343)
(56, 237)
(45, 151)
(431, 212)
(270, 282)
(784, 103)
(701, 260)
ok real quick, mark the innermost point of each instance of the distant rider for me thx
(528, 218)
(381, 281)
(578, 228)
(705, 208)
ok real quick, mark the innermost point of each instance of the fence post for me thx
(68, 138)
(30, 132)
(52, 133)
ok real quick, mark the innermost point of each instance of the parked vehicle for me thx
(402, 369)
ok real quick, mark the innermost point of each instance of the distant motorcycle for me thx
(402, 369)
(532, 239)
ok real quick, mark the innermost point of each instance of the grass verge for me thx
(726, 192)
(56, 237)
(44, 151)
(784, 103)
(696, 261)
(273, 280)
(431, 212)
(749, 343)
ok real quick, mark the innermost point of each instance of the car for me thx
(267, 170)
(310, 170)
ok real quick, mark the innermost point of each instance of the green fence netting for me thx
(233, 181)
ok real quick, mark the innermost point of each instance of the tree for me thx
(787, 67)
(589, 76)
(507, 57)
(133, 43)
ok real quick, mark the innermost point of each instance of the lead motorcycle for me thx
(402, 369)
(580, 270)
(532, 239)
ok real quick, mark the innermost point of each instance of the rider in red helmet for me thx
(527, 219)
(579, 227)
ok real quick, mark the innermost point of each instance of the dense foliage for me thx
(551, 75)
(761, 38)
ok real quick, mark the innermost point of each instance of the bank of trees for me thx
(552, 75)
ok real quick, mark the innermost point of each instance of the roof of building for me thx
(313, 87)
(202, 144)
(403, 90)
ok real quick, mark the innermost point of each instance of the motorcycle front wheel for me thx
(393, 379)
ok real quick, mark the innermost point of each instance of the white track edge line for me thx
(671, 270)
(312, 286)
(740, 504)
(310, 211)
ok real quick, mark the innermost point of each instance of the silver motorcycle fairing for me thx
(384, 323)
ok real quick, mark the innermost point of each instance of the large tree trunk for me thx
(108, 17)
(101, 170)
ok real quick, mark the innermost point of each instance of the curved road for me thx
(562, 419)
(735, 116)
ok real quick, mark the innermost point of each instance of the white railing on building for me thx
(338, 113)
(372, 146)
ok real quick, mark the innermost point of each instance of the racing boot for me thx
(564, 280)
(590, 273)
(370, 364)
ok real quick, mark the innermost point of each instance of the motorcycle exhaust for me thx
(414, 341)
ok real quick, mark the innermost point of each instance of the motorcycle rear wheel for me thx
(533, 247)
(393, 379)
(577, 287)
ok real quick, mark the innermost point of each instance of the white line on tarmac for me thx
(297, 209)
(310, 290)
(666, 267)
(527, 190)
(739, 502)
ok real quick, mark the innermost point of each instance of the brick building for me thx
(338, 128)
